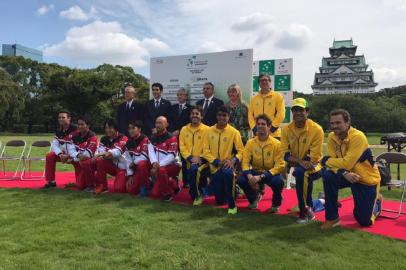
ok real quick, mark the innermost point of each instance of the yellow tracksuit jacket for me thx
(304, 143)
(191, 140)
(219, 145)
(272, 104)
(263, 156)
(352, 154)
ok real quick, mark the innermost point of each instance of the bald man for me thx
(128, 111)
(166, 169)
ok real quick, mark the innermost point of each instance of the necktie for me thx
(156, 104)
(180, 109)
(206, 105)
(128, 106)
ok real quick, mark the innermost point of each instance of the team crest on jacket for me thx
(269, 103)
(224, 139)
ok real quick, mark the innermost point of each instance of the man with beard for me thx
(349, 163)
(191, 148)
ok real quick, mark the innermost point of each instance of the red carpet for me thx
(383, 226)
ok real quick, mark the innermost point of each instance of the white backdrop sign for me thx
(192, 71)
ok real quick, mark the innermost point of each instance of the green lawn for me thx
(61, 229)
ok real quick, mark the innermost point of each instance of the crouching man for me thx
(110, 159)
(349, 163)
(262, 163)
(140, 154)
(81, 151)
(223, 148)
(166, 170)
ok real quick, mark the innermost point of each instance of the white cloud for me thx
(105, 42)
(251, 22)
(77, 14)
(209, 46)
(398, 4)
(388, 77)
(154, 45)
(295, 37)
(45, 9)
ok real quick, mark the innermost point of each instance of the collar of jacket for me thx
(269, 140)
(221, 130)
(269, 94)
(160, 138)
(351, 131)
(190, 127)
(134, 142)
(79, 138)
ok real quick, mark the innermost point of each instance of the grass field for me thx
(62, 229)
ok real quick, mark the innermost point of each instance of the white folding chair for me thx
(395, 158)
(12, 151)
(26, 173)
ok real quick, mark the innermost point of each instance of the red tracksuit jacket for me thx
(82, 144)
(58, 144)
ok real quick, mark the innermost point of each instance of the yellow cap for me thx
(300, 102)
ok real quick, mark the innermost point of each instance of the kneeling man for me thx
(349, 163)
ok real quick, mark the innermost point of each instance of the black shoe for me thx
(167, 198)
(49, 185)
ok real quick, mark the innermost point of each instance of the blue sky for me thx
(129, 32)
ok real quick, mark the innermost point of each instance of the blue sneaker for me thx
(378, 206)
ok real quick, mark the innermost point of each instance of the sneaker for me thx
(232, 211)
(378, 206)
(198, 201)
(254, 204)
(329, 224)
(89, 189)
(49, 184)
(274, 210)
(305, 216)
(100, 189)
(167, 198)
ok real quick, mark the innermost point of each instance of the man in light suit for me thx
(155, 107)
(210, 104)
(128, 111)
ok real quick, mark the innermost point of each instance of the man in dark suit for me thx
(155, 107)
(129, 111)
(180, 113)
(180, 117)
(210, 104)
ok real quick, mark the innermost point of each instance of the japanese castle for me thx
(343, 72)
